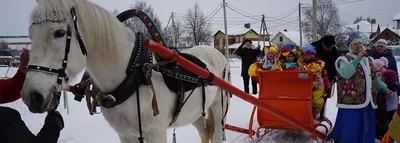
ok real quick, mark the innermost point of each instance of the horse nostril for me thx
(36, 99)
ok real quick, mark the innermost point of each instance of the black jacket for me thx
(14, 130)
(249, 56)
(328, 57)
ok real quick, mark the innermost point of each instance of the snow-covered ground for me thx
(80, 127)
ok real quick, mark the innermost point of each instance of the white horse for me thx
(109, 46)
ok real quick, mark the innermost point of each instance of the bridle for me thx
(57, 88)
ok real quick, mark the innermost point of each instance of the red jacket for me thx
(10, 89)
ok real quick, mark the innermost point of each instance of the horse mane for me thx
(101, 32)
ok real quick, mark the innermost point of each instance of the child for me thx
(270, 58)
(357, 89)
(266, 64)
(320, 78)
(287, 60)
(387, 104)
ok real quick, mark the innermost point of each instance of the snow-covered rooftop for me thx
(293, 35)
(396, 17)
(255, 44)
(363, 26)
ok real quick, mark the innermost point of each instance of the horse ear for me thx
(38, 1)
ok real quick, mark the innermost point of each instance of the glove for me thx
(54, 117)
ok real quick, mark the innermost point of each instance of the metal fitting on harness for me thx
(105, 100)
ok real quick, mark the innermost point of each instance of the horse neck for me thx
(109, 71)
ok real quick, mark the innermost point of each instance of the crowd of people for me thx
(367, 85)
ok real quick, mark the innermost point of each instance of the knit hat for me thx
(385, 61)
(389, 76)
(381, 42)
(378, 63)
(310, 49)
(352, 37)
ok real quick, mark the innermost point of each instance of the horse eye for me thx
(59, 33)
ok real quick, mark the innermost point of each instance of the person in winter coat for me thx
(12, 128)
(249, 56)
(357, 89)
(381, 50)
(394, 129)
(327, 52)
(387, 104)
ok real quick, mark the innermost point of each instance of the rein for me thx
(57, 88)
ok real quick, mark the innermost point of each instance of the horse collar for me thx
(134, 77)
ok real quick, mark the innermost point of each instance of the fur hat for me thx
(310, 49)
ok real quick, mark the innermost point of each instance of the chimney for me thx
(247, 25)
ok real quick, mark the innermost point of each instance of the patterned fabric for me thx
(353, 91)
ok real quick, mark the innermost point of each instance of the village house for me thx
(237, 36)
(288, 37)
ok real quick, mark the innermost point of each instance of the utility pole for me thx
(226, 31)
(174, 37)
(301, 36)
(263, 29)
(314, 20)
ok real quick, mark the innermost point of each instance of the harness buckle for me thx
(105, 100)
(57, 88)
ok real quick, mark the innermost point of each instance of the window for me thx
(241, 39)
(220, 43)
(237, 39)
(280, 39)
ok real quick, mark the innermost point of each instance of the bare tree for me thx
(360, 18)
(328, 22)
(3, 45)
(197, 27)
(136, 24)
(174, 32)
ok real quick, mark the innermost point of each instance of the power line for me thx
(229, 6)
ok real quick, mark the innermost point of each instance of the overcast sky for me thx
(14, 14)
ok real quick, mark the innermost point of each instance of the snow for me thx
(255, 44)
(292, 35)
(364, 27)
(396, 17)
(80, 127)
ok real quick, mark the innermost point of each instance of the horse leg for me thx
(203, 132)
(157, 136)
(217, 112)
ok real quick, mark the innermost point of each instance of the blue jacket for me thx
(389, 55)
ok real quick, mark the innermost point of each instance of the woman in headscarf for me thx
(357, 88)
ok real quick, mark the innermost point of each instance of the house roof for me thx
(292, 35)
(386, 29)
(363, 27)
(255, 44)
(240, 31)
(396, 17)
